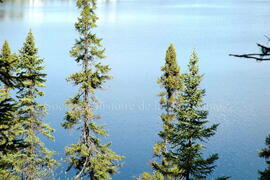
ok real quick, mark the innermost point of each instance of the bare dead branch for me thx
(267, 37)
(263, 56)
(264, 48)
(260, 57)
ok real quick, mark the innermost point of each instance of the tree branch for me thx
(267, 37)
(263, 56)
(82, 170)
(251, 56)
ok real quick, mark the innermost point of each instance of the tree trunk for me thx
(92, 175)
(86, 101)
(187, 178)
(31, 148)
(189, 161)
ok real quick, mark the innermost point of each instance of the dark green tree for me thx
(190, 133)
(172, 83)
(265, 153)
(89, 156)
(11, 141)
(9, 67)
(37, 158)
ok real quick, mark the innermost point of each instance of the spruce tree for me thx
(265, 153)
(9, 67)
(11, 141)
(37, 158)
(89, 157)
(171, 82)
(190, 132)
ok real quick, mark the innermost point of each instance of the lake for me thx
(136, 35)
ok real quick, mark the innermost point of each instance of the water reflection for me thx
(35, 11)
(25, 9)
(110, 11)
(10, 14)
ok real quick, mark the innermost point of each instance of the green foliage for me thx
(89, 157)
(189, 132)
(265, 153)
(11, 140)
(37, 158)
(8, 68)
(179, 154)
(148, 176)
(6, 52)
(171, 81)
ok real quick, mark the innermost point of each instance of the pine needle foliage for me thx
(148, 176)
(88, 157)
(11, 141)
(171, 82)
(37, 158)
(265, 153)
(8, 68)
(190, 132)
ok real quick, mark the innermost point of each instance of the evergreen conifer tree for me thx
(265, 153)
(37, 158)
(9, 67)
(11, 141)
(89, 157)
(172, 83)
(189, 132)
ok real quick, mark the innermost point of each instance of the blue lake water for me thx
(136, 35)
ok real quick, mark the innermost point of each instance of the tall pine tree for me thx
(89, 157)
(11, 141)
(265, 153)
(189, 132)
(9, 66)
(171, 82)
(37, 158)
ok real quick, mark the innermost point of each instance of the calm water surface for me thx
(136, 35)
